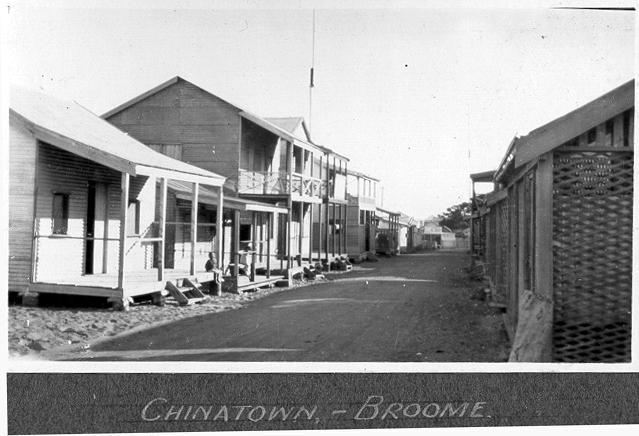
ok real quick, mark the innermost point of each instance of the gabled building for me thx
(263, 161)
(89, 206)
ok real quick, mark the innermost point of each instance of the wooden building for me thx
(263, 162)
(325, 222)
(362, 224)
(89, 205)
(409, 234)
(387, 236)
(555, 236)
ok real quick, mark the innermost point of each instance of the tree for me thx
(456, 217)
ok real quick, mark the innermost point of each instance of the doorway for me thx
(95, 246)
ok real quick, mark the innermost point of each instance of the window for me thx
(626, 128)
(171, 150)
(362, 217)
(574, 142)
(60, 213)
(133, 218)
(610, 129)
(592, 135)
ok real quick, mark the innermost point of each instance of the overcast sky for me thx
(418, 97)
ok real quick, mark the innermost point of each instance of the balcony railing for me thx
(262, 182)
(306, 186)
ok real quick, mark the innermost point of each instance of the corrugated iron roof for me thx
(67, 122)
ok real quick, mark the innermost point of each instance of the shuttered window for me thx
(60, 213)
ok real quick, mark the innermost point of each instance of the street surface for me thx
(409, 308)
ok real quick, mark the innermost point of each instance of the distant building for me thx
(362, 223)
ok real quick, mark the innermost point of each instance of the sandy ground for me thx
(36, 332)
(420, 307)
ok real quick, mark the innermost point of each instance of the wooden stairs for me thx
(185, 291)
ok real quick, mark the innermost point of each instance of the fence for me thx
(560, 234)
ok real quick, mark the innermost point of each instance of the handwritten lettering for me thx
(374, 407)
(159, 409)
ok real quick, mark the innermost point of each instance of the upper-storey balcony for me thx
(280, 183)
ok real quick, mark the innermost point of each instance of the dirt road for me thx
(415, 307)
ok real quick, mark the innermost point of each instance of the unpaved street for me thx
(415, 307)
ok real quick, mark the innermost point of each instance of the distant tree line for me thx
(456, 217)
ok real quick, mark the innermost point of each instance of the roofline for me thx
(360, 174)
(507, 160)
(72, 146)
(485, 176)
(263, 122)
(388, 211)
(276, 130)
(111, 160)
(334, 153)
(573, 123)
(141, 97)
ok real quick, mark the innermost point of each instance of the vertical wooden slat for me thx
(254, 243)
(333, 232)
(326, 204)
(269, 223)
(162, 228)
(543, 268)
(124, 208)
(289, 166)
(301, 232)
(310, 232)
(521, 237)
(34, 221)
(236, 243)
(194, 202)
(219, 229)
(105, 231)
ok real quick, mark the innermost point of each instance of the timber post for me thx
(162, 228)
(219, 232)
(124, 207)
(194, 202)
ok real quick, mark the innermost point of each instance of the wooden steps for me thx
(185, 291)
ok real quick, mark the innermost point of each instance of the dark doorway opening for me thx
(90, 230)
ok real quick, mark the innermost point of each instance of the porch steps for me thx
(185, 291)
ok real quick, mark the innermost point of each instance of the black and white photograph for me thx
(420, 186)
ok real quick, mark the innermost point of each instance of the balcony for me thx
(306, 186)
(277, 183)
(263, 182)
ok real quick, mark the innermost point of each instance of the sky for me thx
(417, 95)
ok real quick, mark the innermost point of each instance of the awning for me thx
(207, 195)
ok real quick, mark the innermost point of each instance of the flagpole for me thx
(311, 80)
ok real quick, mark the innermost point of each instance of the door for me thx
(96, 231)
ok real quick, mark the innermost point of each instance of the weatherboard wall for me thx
(205, 127)
(22, 174)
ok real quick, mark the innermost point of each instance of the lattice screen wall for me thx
(592, 256)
